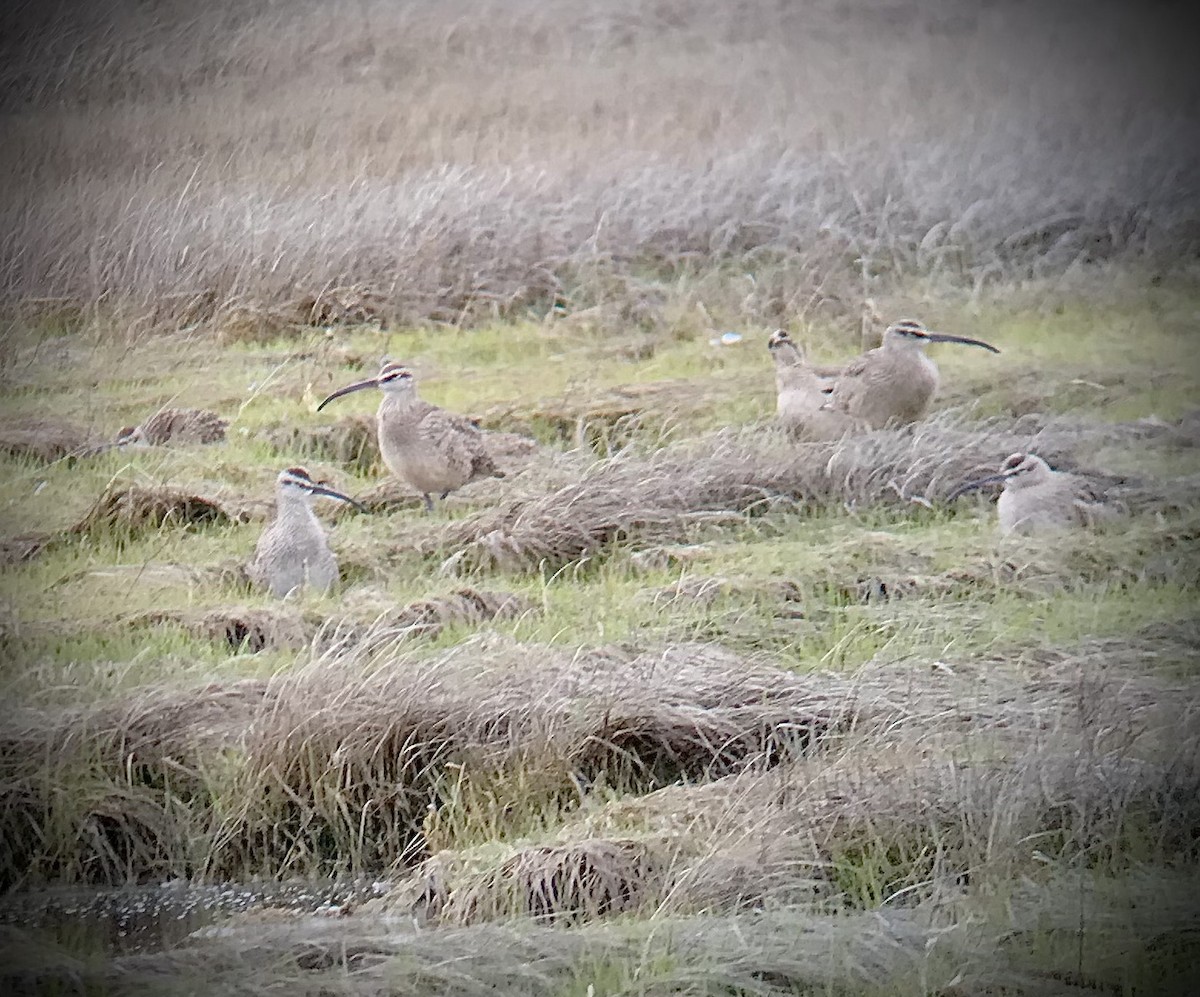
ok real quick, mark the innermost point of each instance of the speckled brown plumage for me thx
(1037, 499)
(430, 449)
(176, 425)
(293, 553)
(801, 393)
(893, 384)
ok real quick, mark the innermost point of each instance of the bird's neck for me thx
(398, 403)
(295, 509)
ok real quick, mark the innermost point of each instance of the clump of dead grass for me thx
(659, 497)
(640, 721)
(240, 322)
(340, 761)
(424, 619)
(125, 509)
(452, 208)
(348, 441)
(367, 730)
(17, 549)
(581, 881)
(245, 629)
(429, 617)
(45, 439)
(1083, 758)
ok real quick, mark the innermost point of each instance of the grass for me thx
(789, 158)
(907, 615)
(678, 705)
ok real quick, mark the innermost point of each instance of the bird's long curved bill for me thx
(335, 494)
(349, 389)
(969, 486)
(945, 337)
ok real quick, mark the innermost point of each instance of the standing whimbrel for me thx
(801, 392)
(433, 450)
(893, 383)
(292, 552)
(1037, 499)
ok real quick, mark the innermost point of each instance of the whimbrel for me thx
(175, 425)
(801, 392)
(292, 552)
(893, 383)
(1037, 499)
(434, 451)
(167, 425)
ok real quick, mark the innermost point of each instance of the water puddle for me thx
(147, 919)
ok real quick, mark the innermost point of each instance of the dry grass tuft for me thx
(442, 203)
(144, 729)
(255, 324)
(349, 441)
(582, 881)
(245, 629)
(425, 618)
(18, 549)
(1082, 751)
(608, 421)
(44, 438)
(348, 752)
(127, 509)
(355, 304)
(655, 498)
(429, 617)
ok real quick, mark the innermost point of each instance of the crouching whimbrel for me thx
(1037, 499)
(175, 425)
(169, 426)
(292, 552)
(434, 451)
(893, 383)
(801, 392)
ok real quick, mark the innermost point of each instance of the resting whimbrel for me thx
(176, 425)
(292, 552)
(893, 383)
(1037, 499)
(801, 392)
(433, 450)
(169, 425)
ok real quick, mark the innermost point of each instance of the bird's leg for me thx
(444, 494)
(428, 502)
